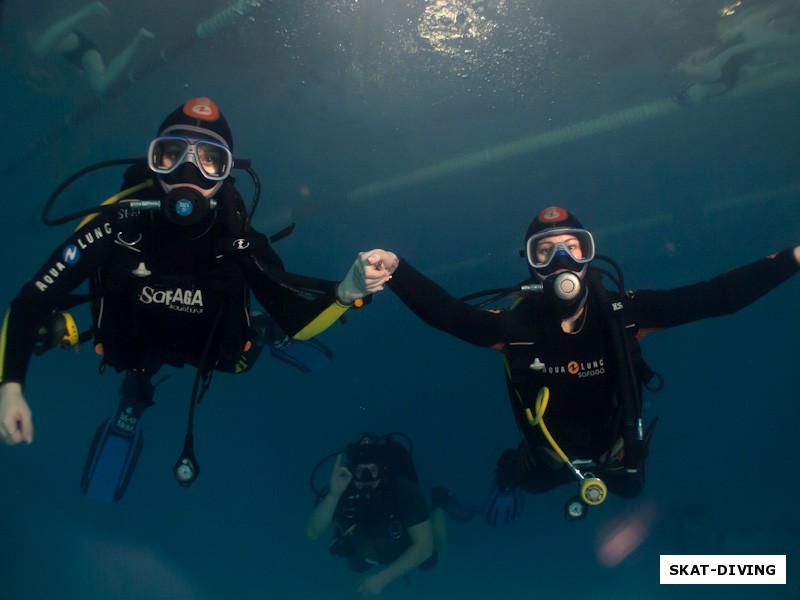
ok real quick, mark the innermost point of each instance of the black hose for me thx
(69, 181)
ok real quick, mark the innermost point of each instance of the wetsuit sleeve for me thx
(76, 260)
(434, 305)
(722, 295)
(301, 312)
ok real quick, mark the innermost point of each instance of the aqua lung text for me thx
(71, 254)
(581, 369)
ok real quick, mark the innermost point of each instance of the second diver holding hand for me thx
(573, 340)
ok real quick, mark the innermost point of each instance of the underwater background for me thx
(437, 129)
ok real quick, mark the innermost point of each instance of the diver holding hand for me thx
(170, 279)
(574, 370)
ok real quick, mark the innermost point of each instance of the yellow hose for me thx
(542, 398)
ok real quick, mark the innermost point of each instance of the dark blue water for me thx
(333, 96)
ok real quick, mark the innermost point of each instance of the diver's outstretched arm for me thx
(61, 29)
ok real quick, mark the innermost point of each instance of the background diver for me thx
(720, 74)
(573, 369)
(170, 285)
(379, 513)
(62, 38)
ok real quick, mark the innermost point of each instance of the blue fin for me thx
(305, 355)
(117, 443)
(110, 463)
(503, 505)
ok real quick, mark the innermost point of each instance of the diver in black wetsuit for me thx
(170, 284)
(379, 514)
(573, 377)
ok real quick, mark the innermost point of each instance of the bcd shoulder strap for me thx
(625, 350)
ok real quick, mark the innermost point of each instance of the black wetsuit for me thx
(583, 413)
(372, 525)
(166, 292)
(84, 45)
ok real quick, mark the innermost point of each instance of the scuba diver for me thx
(573, 366)
(378, 512)
(723, 72)
(63, 39)
(170, 275)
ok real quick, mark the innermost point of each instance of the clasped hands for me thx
(367, 275)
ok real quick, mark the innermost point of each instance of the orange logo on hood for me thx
(201, 108)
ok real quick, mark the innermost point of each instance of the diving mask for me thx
(552, 250)
(211, 157)
(366, 473)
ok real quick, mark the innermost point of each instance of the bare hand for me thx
(378, 268)
(340, 477)
(367, 275)
(16, 422)
(371, 586)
